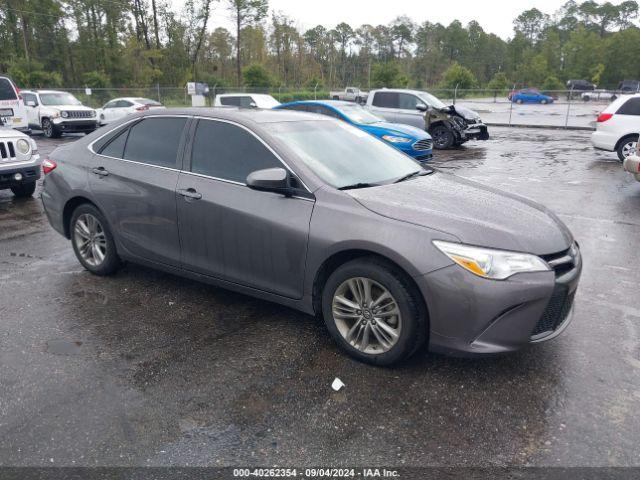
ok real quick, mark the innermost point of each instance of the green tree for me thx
(256, 76)
(500, 81)
(552, 83)
(457, 76)
(244, 13)
(385, 75)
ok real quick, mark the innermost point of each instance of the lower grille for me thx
(556, 312)
(7, 151)
(423, 145)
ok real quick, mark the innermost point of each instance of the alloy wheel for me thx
(366, 315)
(629, 148)
(90, 239)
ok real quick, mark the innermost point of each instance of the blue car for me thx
(530, 95)
(410, 140)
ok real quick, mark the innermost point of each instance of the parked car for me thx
(349, 94)
(313, 213)
(599, 95)
(245, 100)
(448, 125)
(12, 110)
(121, 107)
(530, 95)
(632, 164)
(618, 125)
(19, 162)
(410, 140)
(580, 85)
(629, 86)
(56, 112)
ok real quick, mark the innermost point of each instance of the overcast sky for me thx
(494, 16)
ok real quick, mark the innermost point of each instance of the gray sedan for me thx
(317, 215)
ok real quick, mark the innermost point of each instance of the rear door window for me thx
(630, 107)
(7, 92)
(155, 141)
(228, 152)
(385, 100)
(115, 148)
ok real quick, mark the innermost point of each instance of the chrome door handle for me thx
(190, 193)
(100, 171)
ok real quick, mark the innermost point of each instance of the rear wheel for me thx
(372, 312)
(519, 101)
(24, 190)
(628, 146)
(544, 101)
(92, 241)
(443, 137)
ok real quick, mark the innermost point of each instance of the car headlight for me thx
(394, 139)
(23, 146)
(93, 113)
(64, 114)
(489, 263)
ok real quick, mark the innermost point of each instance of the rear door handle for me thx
(190, 193)
(100, 171)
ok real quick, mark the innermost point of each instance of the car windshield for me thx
(61, 98)
(430, 100)
(359, 114)
(343, 155)
(266, 101)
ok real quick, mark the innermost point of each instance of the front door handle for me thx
(100, 171)
(190, 193)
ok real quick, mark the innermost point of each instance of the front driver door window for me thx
(257, 239)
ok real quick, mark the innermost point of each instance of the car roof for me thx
(44, 91)
(330, 103)
(240, 115)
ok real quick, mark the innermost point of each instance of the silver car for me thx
(315, 214)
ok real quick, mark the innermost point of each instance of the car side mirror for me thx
(30, 103)
(270, 180)
(422, 107)
(253, 105)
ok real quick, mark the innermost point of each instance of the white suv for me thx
(19, 162)
(618, 126)
(12, 111)
(245, 100)
(56, 113)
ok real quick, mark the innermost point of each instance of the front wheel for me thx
(372, 312)
(49, 129)
(24, 190)
(443, 137)
(544, 101)
(92, 241)
(627, 147)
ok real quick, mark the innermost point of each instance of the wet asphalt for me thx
(146, 368)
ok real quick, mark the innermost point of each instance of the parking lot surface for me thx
(145, 368)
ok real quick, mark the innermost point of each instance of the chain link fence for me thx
(557, 108)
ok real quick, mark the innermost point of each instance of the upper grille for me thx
(7, 152)
(423, 145)
(79, 114)
(556, 312)
(562, 262)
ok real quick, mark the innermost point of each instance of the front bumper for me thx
(632, 165)
(75, 126)
(477, 131)
(472, 316)
(28, 172)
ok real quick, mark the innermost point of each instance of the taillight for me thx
(603, 117)
(48, 166)
(142, 108)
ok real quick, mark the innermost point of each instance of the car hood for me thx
(466, 113)
(8, 132)
(68, 107)
(387, 128)
(476, 214)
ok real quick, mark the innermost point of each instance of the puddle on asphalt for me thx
(63, 346)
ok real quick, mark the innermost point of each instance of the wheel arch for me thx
(69, 208)
(625, 138)
(341, 257)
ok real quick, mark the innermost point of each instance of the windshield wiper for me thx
(358, 185)
(412, 174)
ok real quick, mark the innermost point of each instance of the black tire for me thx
(24, 190)
(414, 319)
(49, 129)
(544, 101)
(519, 101)
(623, 145)
(111, 262)
(443, 137)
